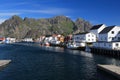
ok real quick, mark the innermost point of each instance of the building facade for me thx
(96, 29)
(85, 37)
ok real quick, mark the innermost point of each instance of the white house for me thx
(28, 40)
(96, 29)
(85, 37)
(10, 40)
(109, 38)
(109, 33)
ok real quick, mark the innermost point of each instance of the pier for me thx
(4, 62)
(111, 69)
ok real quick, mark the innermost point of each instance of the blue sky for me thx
(95, 11)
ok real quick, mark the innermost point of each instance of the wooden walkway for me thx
(4, 62)
(111, 69)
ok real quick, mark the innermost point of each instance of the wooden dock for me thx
(4, 62)
(111, 69)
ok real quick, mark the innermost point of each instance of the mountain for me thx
(30, 27)
(82, 26)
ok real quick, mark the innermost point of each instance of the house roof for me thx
(96, 26)
(107, 29)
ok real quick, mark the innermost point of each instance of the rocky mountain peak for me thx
(30, 27)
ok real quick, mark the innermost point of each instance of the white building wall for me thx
(106, 40)
(107, 45)
(116, 45)
(28, 39)
(117, 37)
(103, 37)
(111, 36)
(90, 37)
(79, 38)
(97, 31)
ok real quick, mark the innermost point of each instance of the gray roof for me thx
(107, 29)
(96, 26)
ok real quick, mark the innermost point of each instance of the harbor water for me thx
(30, 61)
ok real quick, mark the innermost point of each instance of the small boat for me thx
(47, 44)
(71, 45)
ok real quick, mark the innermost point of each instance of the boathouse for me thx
(107, 38)
(109, 33)
(85, 37)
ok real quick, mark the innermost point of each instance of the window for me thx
(88, 39)
(88, 35)
(118, 38)
(109, 37)
(112, 32)
(112, 38)
(117, 44)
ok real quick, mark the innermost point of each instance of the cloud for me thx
(9, 14)
(42, 11)
(46, 11)
(5, 15)
(14, 4)
(54, 11)
(2, 20)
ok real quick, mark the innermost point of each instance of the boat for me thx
(77, 46)
(46, 44)
(72, 45)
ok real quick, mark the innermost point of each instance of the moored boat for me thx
(72, 45)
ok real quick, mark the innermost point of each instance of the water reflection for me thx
(55, 49)
(81, 53)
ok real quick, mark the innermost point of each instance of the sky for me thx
(95, 11)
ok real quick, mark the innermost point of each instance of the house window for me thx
(88, 35)
(118, 38)
(117, 44)
(112, 32)
(113, 38)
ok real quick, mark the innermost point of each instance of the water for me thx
(33, 62)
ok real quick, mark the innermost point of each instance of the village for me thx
(100, 36)
(101, 39)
